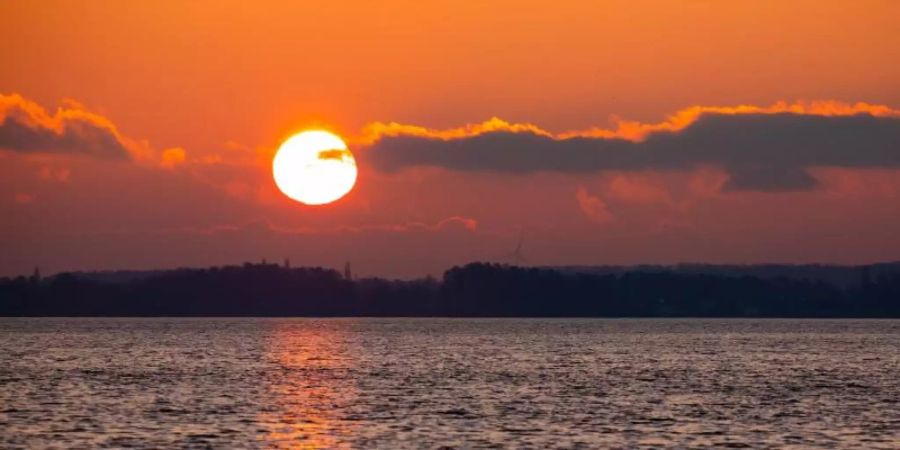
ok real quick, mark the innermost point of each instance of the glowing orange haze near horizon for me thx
(203, 93)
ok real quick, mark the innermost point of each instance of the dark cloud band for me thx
(761, 152)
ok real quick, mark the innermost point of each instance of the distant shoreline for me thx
(477, 290)
(685, 318)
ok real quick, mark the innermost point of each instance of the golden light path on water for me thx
(313, 379)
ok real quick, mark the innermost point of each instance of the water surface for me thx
(456, 382)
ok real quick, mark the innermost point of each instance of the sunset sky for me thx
(139, 135)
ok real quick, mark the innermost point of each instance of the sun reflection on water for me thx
(311, 382)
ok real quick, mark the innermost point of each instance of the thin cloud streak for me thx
(466, 224)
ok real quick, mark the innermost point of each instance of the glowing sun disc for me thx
(314, 167)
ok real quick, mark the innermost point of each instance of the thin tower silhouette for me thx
(347, 274)
(516, 255)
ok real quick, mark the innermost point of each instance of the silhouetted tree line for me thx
(470, 291)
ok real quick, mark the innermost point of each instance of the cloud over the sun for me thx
(761, 148)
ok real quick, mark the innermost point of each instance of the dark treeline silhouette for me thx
(474, 290)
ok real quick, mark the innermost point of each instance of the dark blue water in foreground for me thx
(395, 383)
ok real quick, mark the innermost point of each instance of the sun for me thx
(314, 167)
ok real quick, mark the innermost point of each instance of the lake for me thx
(396, 383)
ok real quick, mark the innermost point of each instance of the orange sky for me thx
(222, 83)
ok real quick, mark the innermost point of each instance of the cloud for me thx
(593, 207)
(337, 154)
(26, 127)
(173, 157)
(59, 175)
(761, 148)
(457, 223)
(449, 223)
(23, 198)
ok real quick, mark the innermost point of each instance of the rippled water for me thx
(461, 383)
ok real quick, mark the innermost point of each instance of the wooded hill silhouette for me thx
(474, 290)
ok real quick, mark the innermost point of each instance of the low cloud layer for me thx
(450, 223)
(26, 127)
(762, 149)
